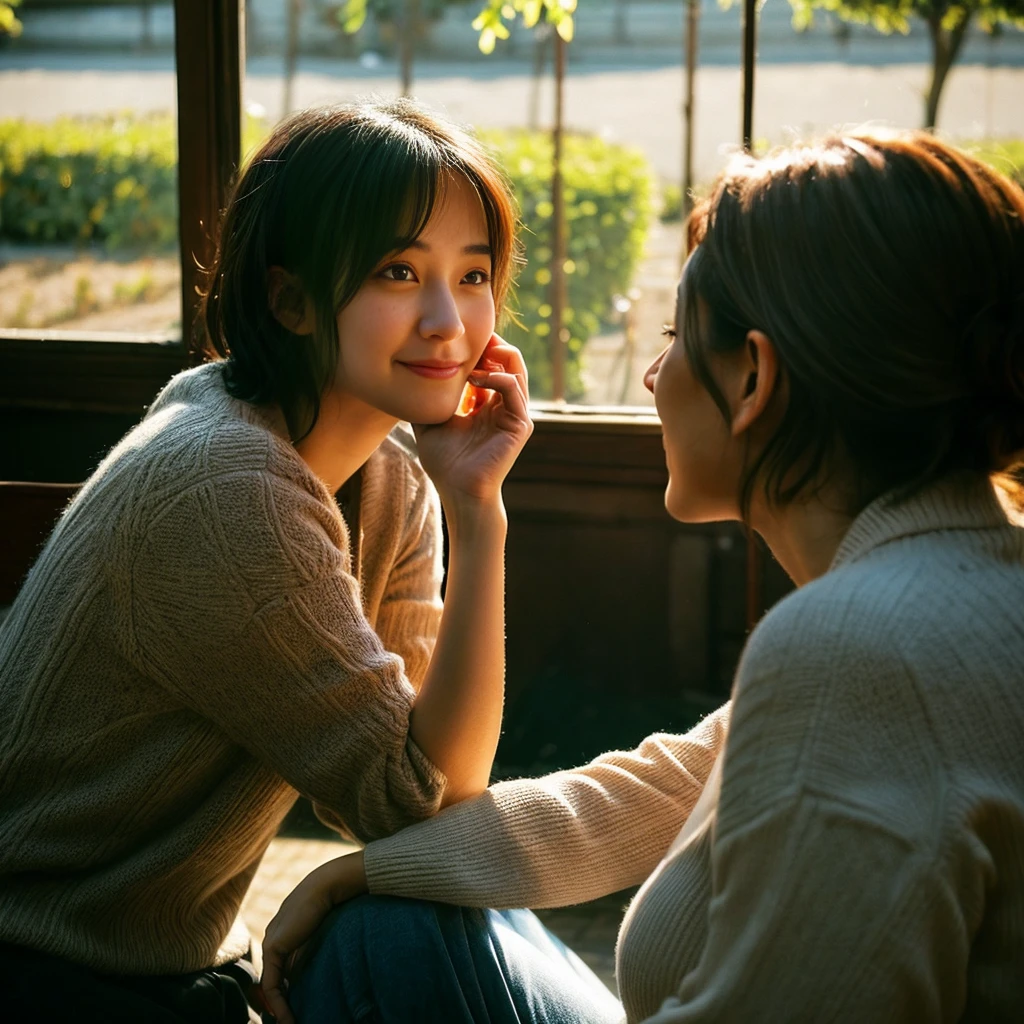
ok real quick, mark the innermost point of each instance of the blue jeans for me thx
(396, 961)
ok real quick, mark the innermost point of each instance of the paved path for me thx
(639, 106)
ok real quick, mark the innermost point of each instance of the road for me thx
(639, 106)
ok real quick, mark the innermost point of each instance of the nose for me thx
(440, 319)
(652, 371)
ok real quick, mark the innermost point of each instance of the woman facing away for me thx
(845, 841)
(207, 633)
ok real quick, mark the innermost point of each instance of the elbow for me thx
(454, 794)
(377, 818)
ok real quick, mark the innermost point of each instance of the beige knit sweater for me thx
(858, 853)
(192, 647)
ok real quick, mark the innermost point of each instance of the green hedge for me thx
(608, 206)
(111, 180)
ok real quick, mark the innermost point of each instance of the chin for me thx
(438, 410)
(693, 508)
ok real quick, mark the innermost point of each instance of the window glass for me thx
(88, 170)
(624, 109)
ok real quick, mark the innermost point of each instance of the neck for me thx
(803, 537)
(346, 434)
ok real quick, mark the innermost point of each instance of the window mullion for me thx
(209, 49)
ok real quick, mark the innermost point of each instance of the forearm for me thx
(564, 838)
(456, 719)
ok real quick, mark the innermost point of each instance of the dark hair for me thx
(327, 196)
(889, 274)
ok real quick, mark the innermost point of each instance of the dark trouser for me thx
(43, 989)
(394, 961)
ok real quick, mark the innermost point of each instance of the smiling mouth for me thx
(434, 370)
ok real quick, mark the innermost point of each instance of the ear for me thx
(755, 382)
(288, 301)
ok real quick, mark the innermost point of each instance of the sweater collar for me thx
(957, 502)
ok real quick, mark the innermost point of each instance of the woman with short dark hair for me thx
(243, 601)
(845, 840)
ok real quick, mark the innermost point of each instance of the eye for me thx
(668, 331)
(477, 277)
(398, 272)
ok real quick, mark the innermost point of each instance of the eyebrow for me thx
(479, 249)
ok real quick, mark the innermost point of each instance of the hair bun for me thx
(995, 351)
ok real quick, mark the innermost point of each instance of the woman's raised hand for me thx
(469, 456)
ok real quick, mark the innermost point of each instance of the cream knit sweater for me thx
(858, 851)
(192, 647)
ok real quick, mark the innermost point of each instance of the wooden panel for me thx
(27, 514)
(95, 375)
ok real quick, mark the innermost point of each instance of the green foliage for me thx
(131, 293)
(671, 203)
(109, 180)
(492, 21)
(608, 203)
(93, 179)
(1006, 155)
(889, 16)
(351, 15)
(9, 24)
(948, 22)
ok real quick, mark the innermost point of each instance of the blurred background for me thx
(88, 225)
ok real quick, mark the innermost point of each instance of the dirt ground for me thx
(89, 291)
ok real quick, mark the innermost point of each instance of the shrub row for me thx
(113, 181)
(608, 208)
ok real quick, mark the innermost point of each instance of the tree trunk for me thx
(558, 246)
(749, 59)
(407, 43)
(291, 53)
(690, 71)
(541, 36)
(946, 44)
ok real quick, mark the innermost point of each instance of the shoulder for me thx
(196, 433)
(878, 607)
(208, 467)
(827, 702)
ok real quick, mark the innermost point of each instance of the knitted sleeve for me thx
(562, 839)
(242, 606)
(410, 613)
(831, 896)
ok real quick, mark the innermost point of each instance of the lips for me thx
(433, 369)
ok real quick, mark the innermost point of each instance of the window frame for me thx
(107, 372)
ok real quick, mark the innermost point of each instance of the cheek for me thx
(695, 441)
(670, 385)
(478, 318)
(366, 324)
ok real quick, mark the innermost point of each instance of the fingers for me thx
(272, 985)
(511, 389)
(509, 358)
